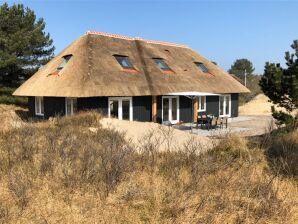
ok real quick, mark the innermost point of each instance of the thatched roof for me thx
(93, 71)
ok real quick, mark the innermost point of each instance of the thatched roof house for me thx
(98, 67)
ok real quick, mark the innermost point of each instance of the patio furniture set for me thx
(210, 121)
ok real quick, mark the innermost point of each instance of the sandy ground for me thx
(139, 131)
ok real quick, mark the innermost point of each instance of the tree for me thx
(240, 67)
(281, 85)
(24, 45)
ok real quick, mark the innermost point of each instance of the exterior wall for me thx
(142, 110)
(54, 106)
(31, 106)
(234, 104)
(212, 105)
(159, 109)
(94, 103)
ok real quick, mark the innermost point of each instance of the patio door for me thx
(170, 109)
(225, 105)
(121, 108)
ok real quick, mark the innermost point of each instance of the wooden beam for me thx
(195, 109)
(154, 109)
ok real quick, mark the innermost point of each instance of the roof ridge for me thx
(135, 38)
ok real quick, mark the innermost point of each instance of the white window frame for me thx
(224, 105)
(39, 105)
(120, 99)
(200, 105)
(170, 109)
(71, 106)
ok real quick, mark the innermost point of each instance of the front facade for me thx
(131, 79)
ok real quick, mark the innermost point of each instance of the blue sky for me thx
(222, 31)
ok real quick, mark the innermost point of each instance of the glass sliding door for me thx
(225, 105)
(170, 109)
(121, 108)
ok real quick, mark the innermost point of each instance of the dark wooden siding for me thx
(94, 103)
(185, 109)
(142, 108)
(54, 106)
(212, 105)
(234, 104)
(31, 106)
(159, 109)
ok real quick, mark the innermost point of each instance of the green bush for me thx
(6, 97)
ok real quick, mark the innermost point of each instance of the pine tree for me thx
(281, 85)
(240, 67)
(24, 45)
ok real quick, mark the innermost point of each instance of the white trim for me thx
(224, 105)
(72, 109)
(199, 104)
(170, 109)
(192, 93)
(39, 106)
(120, 99)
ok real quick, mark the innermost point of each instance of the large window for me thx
(225, 105)
(70, 106)
(121, 108)
(162, 64)
(39, 108)
(202, 67)
(201, 103)
(124, 61)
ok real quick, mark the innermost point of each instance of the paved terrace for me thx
(242, 125)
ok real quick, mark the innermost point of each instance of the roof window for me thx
(124, 62)
(202, 67)
(162, 64)
(64, 62)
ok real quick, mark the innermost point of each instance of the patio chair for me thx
(202, 120)
(225, 121)
(212, 123)
(219, 122)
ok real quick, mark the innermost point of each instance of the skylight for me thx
(202, 67)
(124, 62)
(64, 62)
(161, 64)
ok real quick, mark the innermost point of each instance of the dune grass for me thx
(71, 170)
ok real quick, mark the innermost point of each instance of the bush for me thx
(283, 153)
(72, 170)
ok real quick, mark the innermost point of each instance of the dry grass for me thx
(63, 171)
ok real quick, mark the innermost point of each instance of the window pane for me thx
(41, 105)
(114, 108)
(125, 109)
(161, 64)
(203, 98)
(221, 105)
(165, 106)
(174, 109)
(124, 62)
(68, 106)
(201, 66)
(64, 62)
(74, 106)
(227, 105)
(37, 107)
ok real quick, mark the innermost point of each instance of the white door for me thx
(225, 105)
(170, 109)
(121, 108)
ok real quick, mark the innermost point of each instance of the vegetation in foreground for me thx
(64, 171)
